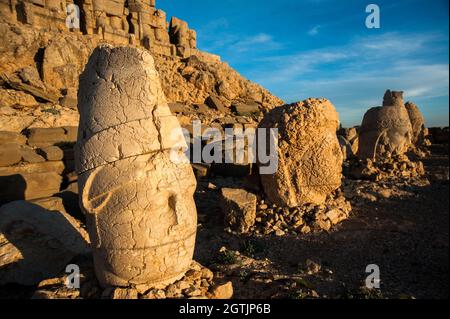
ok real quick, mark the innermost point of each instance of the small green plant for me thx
(244, 276)
(363, 293)
(252, 247)
(226, 257)
(303, 282)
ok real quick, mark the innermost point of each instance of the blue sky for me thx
(321, 48)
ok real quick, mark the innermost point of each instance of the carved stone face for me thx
(141, 210)
(139, 204)
(385, 131)
(309, 155)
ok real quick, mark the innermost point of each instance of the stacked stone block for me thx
(36, 164)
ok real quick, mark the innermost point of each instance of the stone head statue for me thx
(393, 98)
(386, 130)
(139, 204)
(417, 122)
(309, 154)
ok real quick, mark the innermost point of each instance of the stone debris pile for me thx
(198, 283)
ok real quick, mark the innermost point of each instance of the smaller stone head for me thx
(393, 98)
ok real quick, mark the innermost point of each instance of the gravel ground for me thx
(406, 235)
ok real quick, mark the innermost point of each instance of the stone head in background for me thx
(393, 98)
(139, 204)
(385, 131)
(419, 132)
(309, 155)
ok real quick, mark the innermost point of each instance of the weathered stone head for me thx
(393, 98)
(417, 122)
(139, 205)
(386, 130)
(309, 155)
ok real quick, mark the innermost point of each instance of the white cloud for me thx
(314, 30)
(354, 76)
(261, 40)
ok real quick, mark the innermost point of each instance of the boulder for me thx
(308, 152)
(16, 83)
(36, 244)
(213, 102)
(138, 198)
(18, 99)
(242, 109)
(223, 291)
(239, 208)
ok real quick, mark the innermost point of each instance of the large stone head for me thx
(385, 131)
(417, 122)
(309, 154)
(139, 203)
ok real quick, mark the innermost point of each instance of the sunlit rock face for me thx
(386, 131)
(418, 123)
(139, 204)
(308, 151)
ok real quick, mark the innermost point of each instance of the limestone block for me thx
(12, 137)
(239, 208)
(246, 109)
(162, 35)
(30, 155)
(10, 154)
(56, 167)
(309, 156)
(179, 32)
(55, 4)
(139, 204)
(116, 23)
(213, 102)
(29, 186)
(192, 39)
(46, 136)
(52, 153)
(112, 7)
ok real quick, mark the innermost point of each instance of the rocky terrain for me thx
(340, 198)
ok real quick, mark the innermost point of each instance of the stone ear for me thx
(96, 204)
